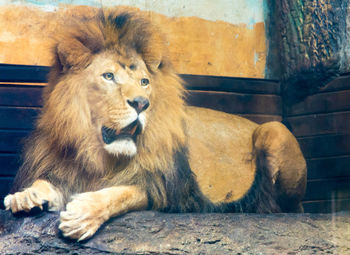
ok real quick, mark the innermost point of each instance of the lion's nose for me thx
(139, 104)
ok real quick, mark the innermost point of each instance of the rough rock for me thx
(160, 233)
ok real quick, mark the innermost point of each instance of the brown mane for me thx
(62, 149)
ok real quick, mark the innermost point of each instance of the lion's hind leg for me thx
(285, 163)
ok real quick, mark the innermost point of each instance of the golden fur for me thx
(184, 159)
(66, 118)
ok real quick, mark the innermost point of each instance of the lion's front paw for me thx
(83, 216)
(24, 201)
(37, 195)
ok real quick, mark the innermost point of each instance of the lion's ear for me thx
(156, 61)
(154, 65)
(72, 54)
(75, 48)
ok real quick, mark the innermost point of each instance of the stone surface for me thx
(160, 233)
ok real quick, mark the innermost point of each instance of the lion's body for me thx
(220, 150)
(115, 135)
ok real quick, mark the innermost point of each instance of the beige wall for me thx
(197, 45)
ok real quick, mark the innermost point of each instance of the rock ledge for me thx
(159, 233)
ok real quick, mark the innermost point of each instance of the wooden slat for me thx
(325, 146)
(325, 189)
(17, 95)
(236, 102)
(5, 186)
(327, 206)
(231, 84)
(328, 167)
(23, 73)
(18, 117)
(12, 141)
(321, 103)
(24, 84)
(320, 124)
(261, 118)
(9, 164)
(338, 84)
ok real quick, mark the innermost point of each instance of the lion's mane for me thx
(61, 150)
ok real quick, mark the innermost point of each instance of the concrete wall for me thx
(222, 37)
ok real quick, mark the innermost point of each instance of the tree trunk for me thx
(312, 41)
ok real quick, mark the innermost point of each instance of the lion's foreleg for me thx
(88, 211)
(36, 195)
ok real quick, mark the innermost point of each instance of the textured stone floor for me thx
(159, 233)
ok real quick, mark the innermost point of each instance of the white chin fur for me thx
(142, 119)
(125, 147)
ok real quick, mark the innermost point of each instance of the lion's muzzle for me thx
(110, 135)
(140, 104)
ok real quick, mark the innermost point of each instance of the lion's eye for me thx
(108, 76)
(144, 82)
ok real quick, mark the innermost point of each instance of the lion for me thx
(115, 136)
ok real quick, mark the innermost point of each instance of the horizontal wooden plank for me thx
(18, 117)
(325, 189)
(236, 102)
(17, 95)
(12, 141)
(327, 206)
(24, 84)
(24, 117)
(325, 146)
(231, 84)
(331, 167)
(9, 164)
(261, 118)
(5, 186)
(338, 84)
(23, 73)
(23, 95)
(320, 124)
(321, 103)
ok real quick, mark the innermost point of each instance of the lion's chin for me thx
(123, 141)
(124, 146)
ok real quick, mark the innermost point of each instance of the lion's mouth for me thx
(109, 135)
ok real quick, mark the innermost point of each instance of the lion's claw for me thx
(24, 201)
(7, 202)
(82, 218)
(79, 228)
(41, 195)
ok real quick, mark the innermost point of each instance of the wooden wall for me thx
(321, 123)
(258, 100)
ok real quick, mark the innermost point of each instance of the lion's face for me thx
(112, 91)
(119, 92)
